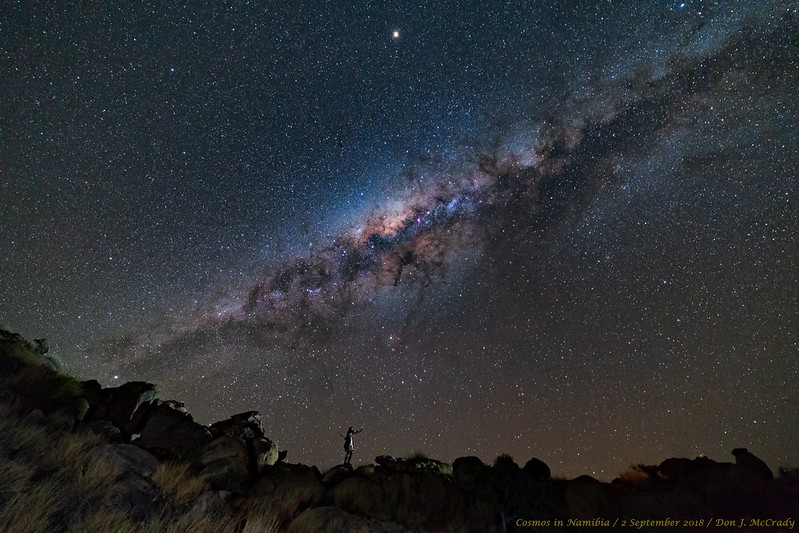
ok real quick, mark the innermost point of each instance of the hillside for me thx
(75, 456)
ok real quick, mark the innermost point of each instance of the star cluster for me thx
(562, 230)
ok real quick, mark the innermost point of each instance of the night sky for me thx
(564, 230)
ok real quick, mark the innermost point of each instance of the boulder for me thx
(10, 403)
(759, 469)
(40, 346)
(423, 499)
(681, 469)
(336, 474)
(35, 415)
(265, 452)
(92, 391)
(743, 488)
(729, 489)
(467, 471)
(537, 470)
(140, 416)
(8, 364)
(246, 425)
(117, 404)
(51, 364)
(125, 399)
(290, 488)
(225, 462)
(365, 470)
(429, 465)
(335, 519)
(131, 459)
(9, 336)
(384, 460)
(106, 429)
(133, 491)
(81, 409)
(169, 431)
(682, 502)
(206, 503)
(589, 498)
(418, 464)
(506, 491)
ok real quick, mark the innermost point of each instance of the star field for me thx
(561, 230)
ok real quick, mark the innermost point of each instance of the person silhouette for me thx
(349, 444)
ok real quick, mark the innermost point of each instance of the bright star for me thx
(395, 34)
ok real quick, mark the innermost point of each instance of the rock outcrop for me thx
(225, 462)
(419, 499)
(151, 448)
(331, 518)
(117, 404)
(133, 490)
(416, 464)
(248, 428)
(589, 498)
(245, 425)
(758, 468)
(537, 469)
(467, 471)
(169, 431)
(292, 487)
(337, 474)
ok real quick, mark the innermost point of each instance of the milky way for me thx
(592, 266)
(500, 190)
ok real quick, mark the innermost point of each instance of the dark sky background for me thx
(565, 230)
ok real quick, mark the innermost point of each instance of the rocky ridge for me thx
(237, 462)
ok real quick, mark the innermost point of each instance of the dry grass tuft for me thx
(94, 476)
(105, 519)
(289, 500)
(48, 481)
(26, 439)
(31, 510)
(14, 476)
(263, 517)
(177, 482)
(212, 523)
(72, 447)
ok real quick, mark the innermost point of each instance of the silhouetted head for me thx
(351, 430)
